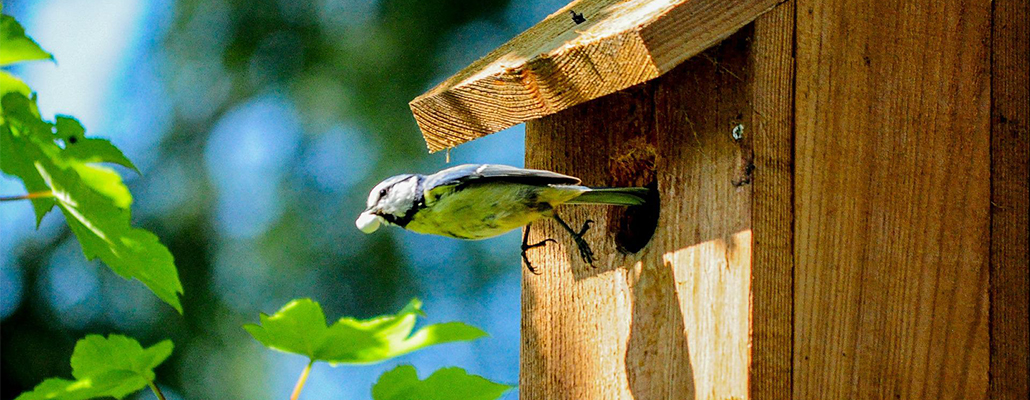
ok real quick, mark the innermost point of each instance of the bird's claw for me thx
(525, 247)
(529, 265)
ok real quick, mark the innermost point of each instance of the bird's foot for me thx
(526, 246)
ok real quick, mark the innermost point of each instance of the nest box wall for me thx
(671, 321)
(843, 196)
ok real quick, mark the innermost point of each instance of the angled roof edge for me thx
(565, 60)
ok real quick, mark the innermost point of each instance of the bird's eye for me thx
(382, 192)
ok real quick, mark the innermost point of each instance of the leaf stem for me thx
(300, 381)
(30, 196)
(157, 391)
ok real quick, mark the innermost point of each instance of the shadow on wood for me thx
(843, 192)
(626, 317)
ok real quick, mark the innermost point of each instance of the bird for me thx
(479, 201)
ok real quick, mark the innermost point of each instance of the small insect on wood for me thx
(577, 18)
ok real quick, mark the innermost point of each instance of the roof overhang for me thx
(560, 62)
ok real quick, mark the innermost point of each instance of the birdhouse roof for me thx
(588, 49)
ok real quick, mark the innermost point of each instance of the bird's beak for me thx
(368, 222)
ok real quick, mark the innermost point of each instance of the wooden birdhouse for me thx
(841, 193)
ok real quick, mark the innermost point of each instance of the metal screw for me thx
(738, 132)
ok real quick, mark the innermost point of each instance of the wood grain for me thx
(575, 327)
(1010, 140)
(771, 93)
(558, 64)
(671, 321)
(892, 192)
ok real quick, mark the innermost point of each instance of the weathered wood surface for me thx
(771, 94)
(892, 199)
(865, 238)
(558, 63)
(673, 320)
(1010, 150)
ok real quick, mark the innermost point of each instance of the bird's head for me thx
(389, 202)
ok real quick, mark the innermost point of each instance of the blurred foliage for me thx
(350, 65)
(300, 328)
(114, 366)
(454, 383)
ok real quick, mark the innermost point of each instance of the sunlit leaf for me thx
(9, 83)
(93, 198)
(16, 46)
(115, 366)
(103, 230)
(300, 328)
(105, 182)
(62, 389)
(453, 383)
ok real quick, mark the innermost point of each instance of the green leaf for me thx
(93, 198)
(16, 155)
(105, 182)
(103, 230)
(17, 105)
(88, 150)
(20, 130)
(115, 366)
(16, 46)
(97, 358)
(453, 383)
(300, 328)
(62, 389)
(9, 83)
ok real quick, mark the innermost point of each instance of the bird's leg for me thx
(527, 246)
(584, 247)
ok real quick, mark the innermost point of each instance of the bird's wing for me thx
(447, 179)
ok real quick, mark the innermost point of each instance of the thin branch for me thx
(35, 195)
(300, 381)
(157, 392)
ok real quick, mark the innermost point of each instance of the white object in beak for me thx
(368, 222)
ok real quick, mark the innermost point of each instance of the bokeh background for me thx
(259, 127)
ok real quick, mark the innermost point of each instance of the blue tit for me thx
(478, 201)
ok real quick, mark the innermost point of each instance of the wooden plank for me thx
(771, 93)
(576, 320)
(705, 182)
(892, 194)
(671, 321)
(1010, 140)
(558, 63)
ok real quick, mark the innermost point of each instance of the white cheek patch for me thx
(400, 198)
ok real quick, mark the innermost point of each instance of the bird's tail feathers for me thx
(628, 196)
